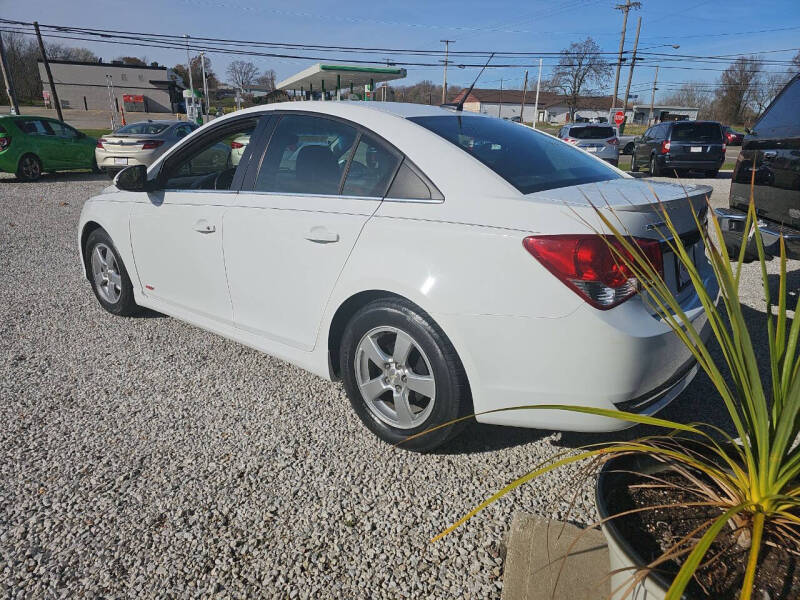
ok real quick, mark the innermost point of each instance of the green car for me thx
(31, 145)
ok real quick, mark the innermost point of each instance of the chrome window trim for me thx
(301, 195)
(416, 200)
(164, 190)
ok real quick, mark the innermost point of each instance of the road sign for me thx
(619, 117)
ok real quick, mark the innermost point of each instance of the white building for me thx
(553, 108)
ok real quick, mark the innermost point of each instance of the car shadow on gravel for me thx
(65, 177)
(479, 437)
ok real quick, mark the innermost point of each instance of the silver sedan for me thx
(599, 139)
(139, 143)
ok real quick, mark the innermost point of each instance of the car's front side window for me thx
(212, 163)
(306, 155)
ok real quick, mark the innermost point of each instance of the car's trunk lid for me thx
(125, 142)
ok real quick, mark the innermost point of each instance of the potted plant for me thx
(695, 512)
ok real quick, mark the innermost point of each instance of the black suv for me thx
(680, 146)
(770, 158)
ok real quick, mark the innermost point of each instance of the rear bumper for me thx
(732, 223)
(622, 359)
(699, 165)
(106, 160)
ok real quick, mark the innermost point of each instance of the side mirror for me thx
(132, 179)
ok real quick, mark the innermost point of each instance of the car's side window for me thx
(211, 163)
(62, 130)
(34, 127)
(371, 169)
(410, 184)
(182, 131)
(780, 120)
(306, 155)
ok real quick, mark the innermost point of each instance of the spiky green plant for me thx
(752, 478)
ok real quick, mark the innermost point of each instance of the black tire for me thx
(628, 149)
(654, 169)
(451, 399)
(95, 168)
(634, 164)
(123, 305)
(712, 174)
(29, 168)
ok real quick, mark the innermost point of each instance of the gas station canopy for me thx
(329, 77)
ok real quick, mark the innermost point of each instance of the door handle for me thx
(322, 235)
(203, 226)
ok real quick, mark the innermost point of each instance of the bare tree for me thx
(737, 85)
(197, 73)
(579, 68)
(266, 79)
(691, 94)
(767, 86)
(62, 52)
(241, 73)
(133, 60)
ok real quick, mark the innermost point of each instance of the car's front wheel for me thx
(108, 275)
(29, 168)
(403, 375)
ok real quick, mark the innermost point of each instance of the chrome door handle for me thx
(322, 235)
(203, 226)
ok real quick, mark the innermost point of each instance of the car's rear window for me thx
(143, 128)
(697, 132)
(591, 133)
(531, 161)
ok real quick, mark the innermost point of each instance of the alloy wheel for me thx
(30, 168)
(395, 377)
(106, 274)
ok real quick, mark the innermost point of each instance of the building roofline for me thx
(102, 64)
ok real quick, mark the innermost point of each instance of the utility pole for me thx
(189, 117)
(630, 77)
(524, 90)
(205, 81)
(53, 91)
(446, 61)
(500, 106)
(653, 99)
(536, 105)
(625, 8)
(8, 79)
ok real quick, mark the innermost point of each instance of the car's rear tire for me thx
(108, 275)
(29, 168)
(628, 149)
(95, 167)
(634, 164)
(400, 391)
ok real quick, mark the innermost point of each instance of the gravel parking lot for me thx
(146, 458)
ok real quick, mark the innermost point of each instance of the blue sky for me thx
(701, 27)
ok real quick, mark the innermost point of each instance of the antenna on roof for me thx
(459, 106)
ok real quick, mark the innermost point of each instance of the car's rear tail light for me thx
(613, 141)
(587, 265)
(237, 145)
(5, 142)
(151, 144)
(100, 143)
(724, 147)
(665, 146)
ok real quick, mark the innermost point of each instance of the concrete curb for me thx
(537, 551)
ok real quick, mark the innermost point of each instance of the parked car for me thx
(600, 140)
(626, 144)
(732, 138)
(139, 143)
(680, 146)
(425, 257)
(31, 145)
(770, 157)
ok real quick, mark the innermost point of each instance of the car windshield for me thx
(530, 161)
(696, 132)
(591, 133)
(143, 128)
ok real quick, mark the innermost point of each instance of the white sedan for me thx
(439, 263)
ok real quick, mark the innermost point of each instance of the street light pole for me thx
(53, 91)
(446, 55)
(653, 98)
(191, 83)
(625, 8)
(536, 104)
